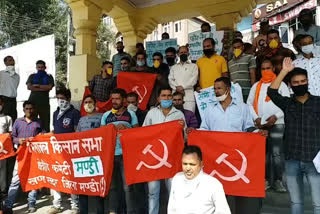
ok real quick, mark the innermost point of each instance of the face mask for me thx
(156, 64)
(140, 63)
(63, 104)
(267, 76)
(132, 107)
(179, 106)
(237, 52)
(273, 44)
(89, 108)
(11, 69)
(124, 68)
(170, 60)
(222, 97)
(300, 90)
(307, 49)
(109, 71)
(113, 111)
(183, 57)
(208, 52)
(120, 50)
(166, 103)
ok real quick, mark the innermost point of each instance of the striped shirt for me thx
(239, 71)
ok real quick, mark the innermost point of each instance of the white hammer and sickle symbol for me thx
(162, 161)
(240, 174)
(1, 149)
(141, 97)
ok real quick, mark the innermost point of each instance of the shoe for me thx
(267, 185)
(54, 210)
(279, 187)
(75, 211)
(7, 211)
(32, 209)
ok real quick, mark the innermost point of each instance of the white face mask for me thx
(307, 49)
(11, 69)
(63, 104)
(222, 97)
(89, 108)
(132, 107)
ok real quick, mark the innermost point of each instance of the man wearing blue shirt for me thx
(122, 119)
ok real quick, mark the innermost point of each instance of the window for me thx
(166, 27)
(177, 27)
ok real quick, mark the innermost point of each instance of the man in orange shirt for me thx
(211, 66)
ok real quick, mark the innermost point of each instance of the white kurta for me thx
(201, 195)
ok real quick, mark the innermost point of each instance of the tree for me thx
(105, 39)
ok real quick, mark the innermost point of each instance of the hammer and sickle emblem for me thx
(162, 161)
(240, 174)
(1, 149)
(141, 97)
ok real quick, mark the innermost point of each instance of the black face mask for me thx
(179, 106)
(300, 90)
(208, 52)
(183, 57)
(170, 60)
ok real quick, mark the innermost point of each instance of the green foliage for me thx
(105, 38)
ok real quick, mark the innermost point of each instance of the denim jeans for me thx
(154, 195)
(295, 170)
(83, 201)
(13, 191)
(57, 200)
(118, 181)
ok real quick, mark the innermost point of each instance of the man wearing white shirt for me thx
(9, 81)
(269, 116)
(194, 191)
(183, 77)
(310, 62)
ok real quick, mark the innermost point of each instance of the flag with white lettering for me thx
(74, 163)
(236, 159)
(153, 152)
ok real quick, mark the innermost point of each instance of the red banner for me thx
(74, 163)
(6, 147)
(140, 83)
(153, 152)
(237, 160)
(101, 107)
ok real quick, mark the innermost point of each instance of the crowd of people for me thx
(280, 89)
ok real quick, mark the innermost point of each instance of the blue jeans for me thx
(154, 195)
(295, 170)
(13, 191)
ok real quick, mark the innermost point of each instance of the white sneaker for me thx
(267, 185)
(279, 187)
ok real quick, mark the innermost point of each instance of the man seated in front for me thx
(193, 191)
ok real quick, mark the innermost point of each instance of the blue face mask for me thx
(166, 103)
(140, 63)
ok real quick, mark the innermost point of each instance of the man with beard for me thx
(122, 119)
(178, 101)
(116, 59)
(211, 65)
(308, 26)
(302, 128)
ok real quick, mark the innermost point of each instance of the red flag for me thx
(6, 148)
(74, 163)
(153, 152)
(140, 83)
(101, 107)
(237, 160)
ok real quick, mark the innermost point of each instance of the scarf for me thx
(41, 77)
(267, 77)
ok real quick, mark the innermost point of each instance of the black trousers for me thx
(10, 107)
(83, 203)
(244, 205)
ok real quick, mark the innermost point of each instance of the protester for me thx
(65, 120)
(8, 87)
(117, 58)
(307, 25)
(194, 191)
(178, 103)
(302, 128)
(91, 121)
(165, 36)
(211, 65)
(40, 84)
(102, 84)
(183, 77)
(230, 115)
(125, 64)
(23, 128)
(122, 119)
(5, 127)
(171, 56)
(165, 112)
(260, 42)
(242, 68)
(267, 115)
(139, 49)
(237, 35)
(296, 44)
(311, 63)
(141, 63)
(133, 105)
(205, 27)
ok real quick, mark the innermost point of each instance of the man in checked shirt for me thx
(302, 134)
